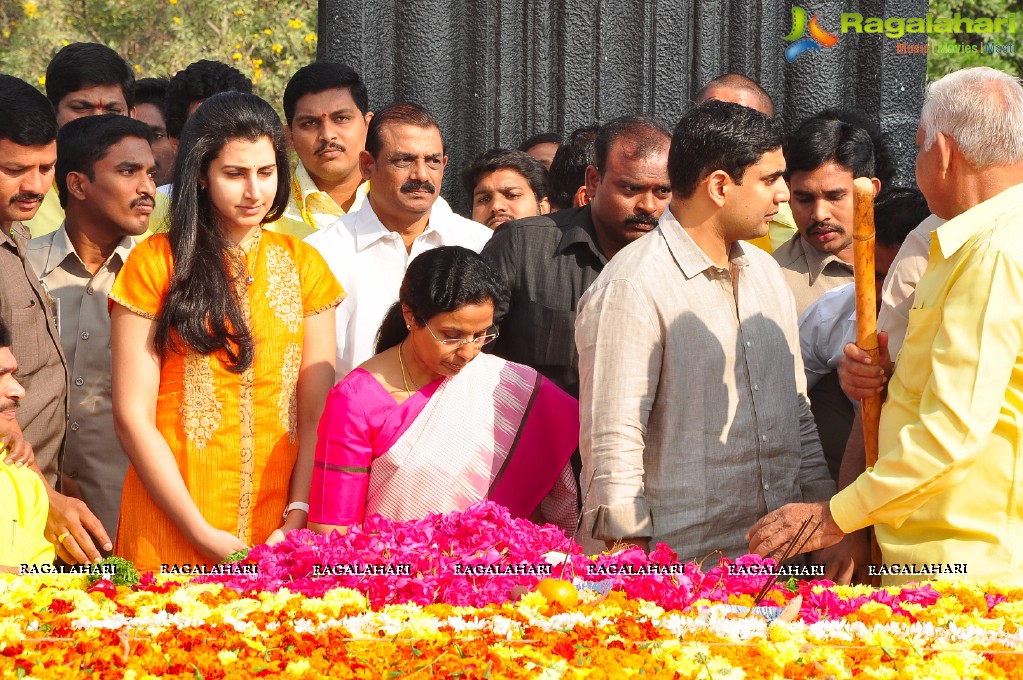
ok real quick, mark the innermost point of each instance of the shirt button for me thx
(749, 344)
(756, 388)
(90, 290)
(74, 427)
(79, 381)
(767, 487)
(85, 335)
(763, 437)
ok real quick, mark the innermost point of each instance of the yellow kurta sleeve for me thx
(142, 282)
(320, 288)
(955, 396)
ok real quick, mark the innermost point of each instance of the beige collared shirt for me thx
(809, 272)
(25, 310)
(695, 420)
(93, 455)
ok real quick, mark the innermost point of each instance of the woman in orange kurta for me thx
(223, 351)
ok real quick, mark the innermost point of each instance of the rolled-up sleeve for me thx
(620, 353)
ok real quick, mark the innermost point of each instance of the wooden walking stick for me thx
(866, 316)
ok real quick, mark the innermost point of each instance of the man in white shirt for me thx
(370, 249)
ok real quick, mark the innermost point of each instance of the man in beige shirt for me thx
(695, 420)
(28, 153)
(824, 156)
(104, 178)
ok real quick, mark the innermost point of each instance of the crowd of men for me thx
(688, 286)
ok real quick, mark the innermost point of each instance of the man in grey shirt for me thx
(695, 421)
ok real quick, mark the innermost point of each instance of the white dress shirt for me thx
(824, 329)
(370, 261)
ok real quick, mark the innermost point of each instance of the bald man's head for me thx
(737, 89)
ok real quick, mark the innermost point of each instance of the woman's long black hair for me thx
(200, 305)
(437, 281)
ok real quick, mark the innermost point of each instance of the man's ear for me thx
(545, 206)
(131, 113)
(592, 180)
(948, 152)
(581, 197)
(366, 164)
(287, 135)
(717, 186)
(877, 185)
(75, 184)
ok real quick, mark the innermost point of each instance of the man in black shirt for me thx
(549, 261)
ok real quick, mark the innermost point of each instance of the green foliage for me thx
(237, 556)
(125, 573)
(968, 47)
(267, 41)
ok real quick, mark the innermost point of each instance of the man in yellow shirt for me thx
(23, 499)
(946, 494)
(327, 109)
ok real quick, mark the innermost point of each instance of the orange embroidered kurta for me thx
(234, 436)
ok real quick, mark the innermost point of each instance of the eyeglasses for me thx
(459, 342)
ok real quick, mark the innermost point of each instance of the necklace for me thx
(405, 379)
(250, 277)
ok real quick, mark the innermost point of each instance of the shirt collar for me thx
(16, 229)
(368, 229)
(582, 232)
(817, 261)
(690, 257)
(953, 235)
(307, 188)
(61, 249)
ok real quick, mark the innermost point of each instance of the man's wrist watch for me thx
(297, 505)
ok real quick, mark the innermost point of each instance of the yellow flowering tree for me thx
(265, 41)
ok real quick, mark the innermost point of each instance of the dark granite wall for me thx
(496, 72)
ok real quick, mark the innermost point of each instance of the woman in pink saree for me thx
(431, 425)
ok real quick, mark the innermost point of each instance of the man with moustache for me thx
(695, 420)
(506, 185)
(105, 179)
(327, 110)
(28, 154)
(83, 79)
(370, 249)
(549, 261)
(824, 156)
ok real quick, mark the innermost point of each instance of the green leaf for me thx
(21, 672)
(416, 651)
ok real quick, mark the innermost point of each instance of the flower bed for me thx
(661, 619)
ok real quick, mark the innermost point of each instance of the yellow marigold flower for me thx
(173, 2)
(224, 656)
(287, 62)
(295, 23)
(239, 12)
(65, 43)
(268, 31)
(276, 48)
(236, 56)
(138, 68)
(42, 80)
(300, 667)
(310, 37)
(30, 9)
(176, 20)
(7, 34)
(257, 63)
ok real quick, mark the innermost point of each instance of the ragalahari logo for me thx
(816, 41)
